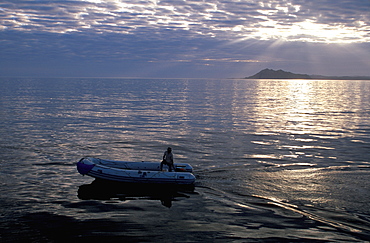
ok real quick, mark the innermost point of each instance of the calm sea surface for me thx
(275, 160)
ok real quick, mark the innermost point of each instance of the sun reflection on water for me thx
(304, 111)
(298, 131)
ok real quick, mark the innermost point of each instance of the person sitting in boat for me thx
(168, 160)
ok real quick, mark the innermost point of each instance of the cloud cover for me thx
(152, 37)
(341, 21)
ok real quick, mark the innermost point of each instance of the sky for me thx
(183, 38)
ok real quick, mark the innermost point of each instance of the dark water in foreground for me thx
(275, 160)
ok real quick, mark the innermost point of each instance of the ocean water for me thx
(275, 160)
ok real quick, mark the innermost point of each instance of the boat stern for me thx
(185, 178)
(183, 167)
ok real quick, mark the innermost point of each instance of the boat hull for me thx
(134, 172)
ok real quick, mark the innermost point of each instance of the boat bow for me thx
(84, 166)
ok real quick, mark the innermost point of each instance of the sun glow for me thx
(309, 31)
(268, 20)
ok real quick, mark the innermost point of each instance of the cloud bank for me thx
(295, 20)
(175, 38)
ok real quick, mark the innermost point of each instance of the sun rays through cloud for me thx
(263, 20)
(239, 35)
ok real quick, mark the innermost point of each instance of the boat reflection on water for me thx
(106, 190)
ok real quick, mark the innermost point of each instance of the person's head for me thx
(169, 149)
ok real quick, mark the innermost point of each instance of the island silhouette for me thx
(281, 74)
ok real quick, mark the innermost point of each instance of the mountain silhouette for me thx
(277, 74)
(281, 74)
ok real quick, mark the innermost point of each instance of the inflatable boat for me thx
(135, 172)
